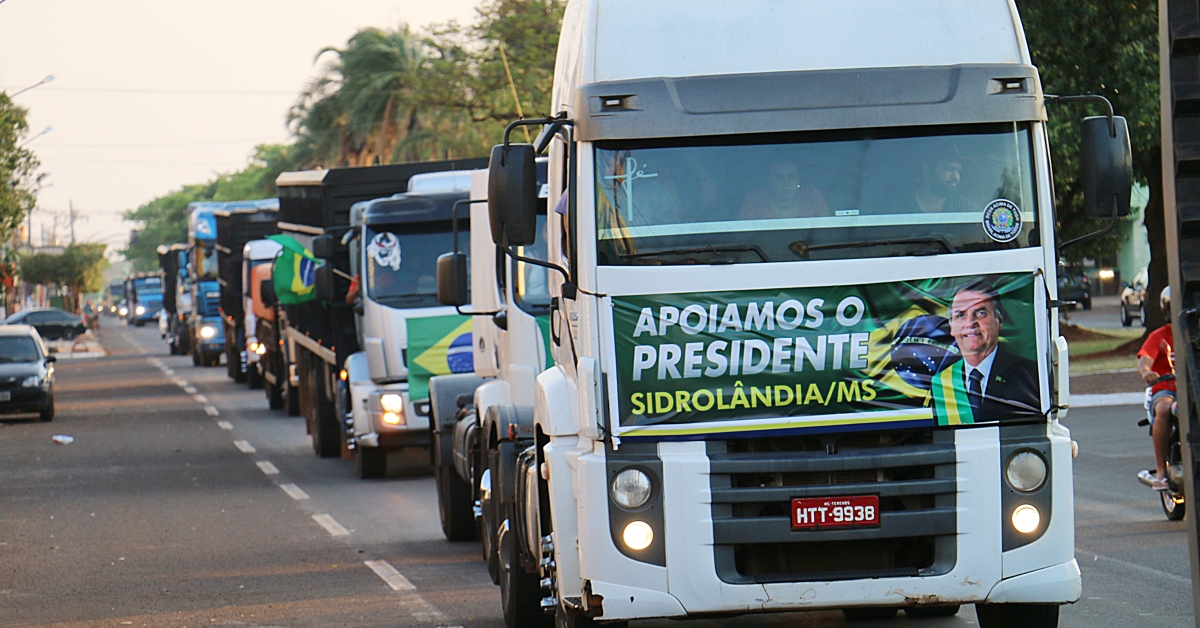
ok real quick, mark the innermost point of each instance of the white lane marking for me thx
(168, 371)
(293, 491)
(388, 573)
(180, 382)
(211, 410)
(1140, 568)
(225, 425)
(191, 390)
(1107, 399)
(200, 398)
(332, 527)
(267, 468)
(244, 446)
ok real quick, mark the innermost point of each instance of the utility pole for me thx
(71, 212)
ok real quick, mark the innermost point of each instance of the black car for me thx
(26, 373)
(1073, 285)
(51, 322)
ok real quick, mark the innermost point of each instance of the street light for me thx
(41, 82)
(44, 131)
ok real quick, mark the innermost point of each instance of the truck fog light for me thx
(1026, 471)
(631, 488)
(344, 375)
(1026, 518)
(208, 332)
(392, 418)
(392, 403)
(638, 535)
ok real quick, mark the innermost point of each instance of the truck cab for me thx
(206, 331)
(239, 222)
(172, 261)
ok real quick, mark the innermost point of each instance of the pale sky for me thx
(150, 95)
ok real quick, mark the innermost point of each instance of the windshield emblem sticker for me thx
(626, 180)
(1002, 220)
(385, 249)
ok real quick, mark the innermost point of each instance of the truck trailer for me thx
(239, 223)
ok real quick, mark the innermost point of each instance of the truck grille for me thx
(754, 481)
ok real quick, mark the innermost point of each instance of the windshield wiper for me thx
(730, 248)
(941, 242)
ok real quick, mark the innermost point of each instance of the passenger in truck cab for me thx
(784, 196)
(999, 384)
(941, 173)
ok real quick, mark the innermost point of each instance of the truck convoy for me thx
(206, 332)
(239, 223)
(389, 247)
(802, 317)
(177, 297)
(144, 298)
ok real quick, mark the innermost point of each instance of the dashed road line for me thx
(293, 491)
(244, 446)
(267, 468)
(179, 382)
(388, 573)
(200, 398)
(225, 425)
(211, 410)
(191, 390)
(331, 526)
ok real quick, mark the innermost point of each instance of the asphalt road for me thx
(183, 501)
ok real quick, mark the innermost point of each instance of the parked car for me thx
(26, 372)
(51, 322)
(1133, 299)
(1073, 285)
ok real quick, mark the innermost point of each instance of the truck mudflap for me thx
(444, 406)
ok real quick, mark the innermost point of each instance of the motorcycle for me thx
(1174, 502)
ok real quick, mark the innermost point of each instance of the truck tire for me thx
(1024, 615)
(291, 397)
(232, 367)
(932, 611)
(455, 505)
(370, 462)
(520, 591)
(274, 394)
(196, 358)
(326, 433)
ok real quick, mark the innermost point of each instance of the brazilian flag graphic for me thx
(295, 272)
(437, 345)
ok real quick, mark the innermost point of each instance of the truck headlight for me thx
(139, 310)
(1026, 519)
(393, 418)
(33, 381)
(638, 535)
(631, 488)
(391, 402)
(124, 311)
(1026, 471)
(208, 331)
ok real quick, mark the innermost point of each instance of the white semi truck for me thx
(803, 321)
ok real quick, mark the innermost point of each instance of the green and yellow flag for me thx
(437, 345)
(951, 405)
(295, 272)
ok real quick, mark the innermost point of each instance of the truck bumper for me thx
(700, 577)
(375, 432)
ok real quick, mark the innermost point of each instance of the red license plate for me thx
(820, 513)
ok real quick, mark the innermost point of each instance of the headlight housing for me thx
(139, 310)
(1026, 471)
(123, 311)
(391, 402)
(33, 381)
(208, 331)
(631, 488)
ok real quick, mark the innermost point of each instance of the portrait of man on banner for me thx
(989, 382)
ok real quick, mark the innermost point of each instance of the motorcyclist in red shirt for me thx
(1156, 359)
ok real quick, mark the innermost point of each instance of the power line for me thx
(181, 144)
(171, 92)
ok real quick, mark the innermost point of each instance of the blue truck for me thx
(205, 329)
(144, 294)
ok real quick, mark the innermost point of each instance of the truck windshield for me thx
(206, 262)
(401, 262)
(815, 195)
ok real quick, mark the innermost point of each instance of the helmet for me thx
(1164, 301)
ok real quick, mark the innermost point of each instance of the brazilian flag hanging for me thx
(295, 272)
(437, 345)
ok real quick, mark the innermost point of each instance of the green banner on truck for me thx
(945, 351)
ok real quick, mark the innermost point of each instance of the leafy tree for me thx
(79, 268)
(18, 168)
(1107, 47)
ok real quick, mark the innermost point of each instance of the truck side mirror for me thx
(512, 195)
(323, 246)
(324, 283)
(1106, 167)
(452, 279)
(266, 290)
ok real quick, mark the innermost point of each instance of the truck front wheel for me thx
(1024, 615)
(520, 592)
(254, 378)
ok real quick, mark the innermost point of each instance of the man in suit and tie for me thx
(990, 383)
